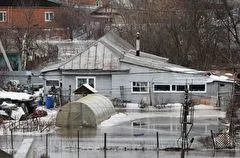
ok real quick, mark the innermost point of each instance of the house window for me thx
(161, 88)
(179, 88)
(99, 3)
(237, 88)
(222, 84)
(140, 87)
(52, 83)
(85, 80)
(197, 88)
(49, 16)
(3, 16)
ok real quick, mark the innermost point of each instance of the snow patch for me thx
(17, 114)
(174, 111)
(15, 95)
(219, 78)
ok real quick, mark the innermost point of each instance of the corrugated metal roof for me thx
(109, 51)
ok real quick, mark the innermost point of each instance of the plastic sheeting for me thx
(88, 111)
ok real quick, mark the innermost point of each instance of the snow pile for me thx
(51, 114)
(15, 95)
(17, 114)
(6, 105)
(47, 123)
(3, 113)
(132, 106)
(39, 92)
(205, 107)
(219, 78)
(182, 69)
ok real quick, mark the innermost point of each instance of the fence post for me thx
(213, 140)
(12, 141)
(70, 89)
(46, 145)
(60, 95)
(105, 141)
(78, 143)
(157, 141)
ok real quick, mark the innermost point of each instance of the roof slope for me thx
(109, 52)
(45, 3)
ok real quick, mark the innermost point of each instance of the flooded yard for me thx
(128, 134)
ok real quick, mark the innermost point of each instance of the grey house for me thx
(112, 67)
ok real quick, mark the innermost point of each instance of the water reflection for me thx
(64, 142)
(73, 132)
(226, 153)
(145, 154)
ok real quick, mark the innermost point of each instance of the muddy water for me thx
(126, 140)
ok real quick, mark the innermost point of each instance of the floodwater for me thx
(125, 140)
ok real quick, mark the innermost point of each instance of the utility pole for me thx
(234, 107)
(186, 120)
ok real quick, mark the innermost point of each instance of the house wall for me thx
(161, 78)
(118, 85)
(23, 17)
(103, 82)
(53, 75)
(24, 77)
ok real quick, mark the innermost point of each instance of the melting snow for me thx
(173, 111)
(15, 95)
(3, 113)
(16, 114)
(185, 70)
(220, 78)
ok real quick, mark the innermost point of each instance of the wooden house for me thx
(114, 68)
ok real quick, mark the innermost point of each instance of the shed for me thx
(85, 89)
(88, 111)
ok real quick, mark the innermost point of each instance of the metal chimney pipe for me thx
(138, 44)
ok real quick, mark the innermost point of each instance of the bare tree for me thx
(183, 31)
(79, 21)
(22, 37)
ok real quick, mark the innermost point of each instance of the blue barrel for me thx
(49, 102)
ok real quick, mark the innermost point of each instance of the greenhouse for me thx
(88, 111)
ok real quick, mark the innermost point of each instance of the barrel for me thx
(49, 102)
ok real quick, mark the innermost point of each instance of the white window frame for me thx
(52, 80)
(176, 88)
(47, 16)
(86, 77)
(4, 16)
(140, 86)
(175, 91)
